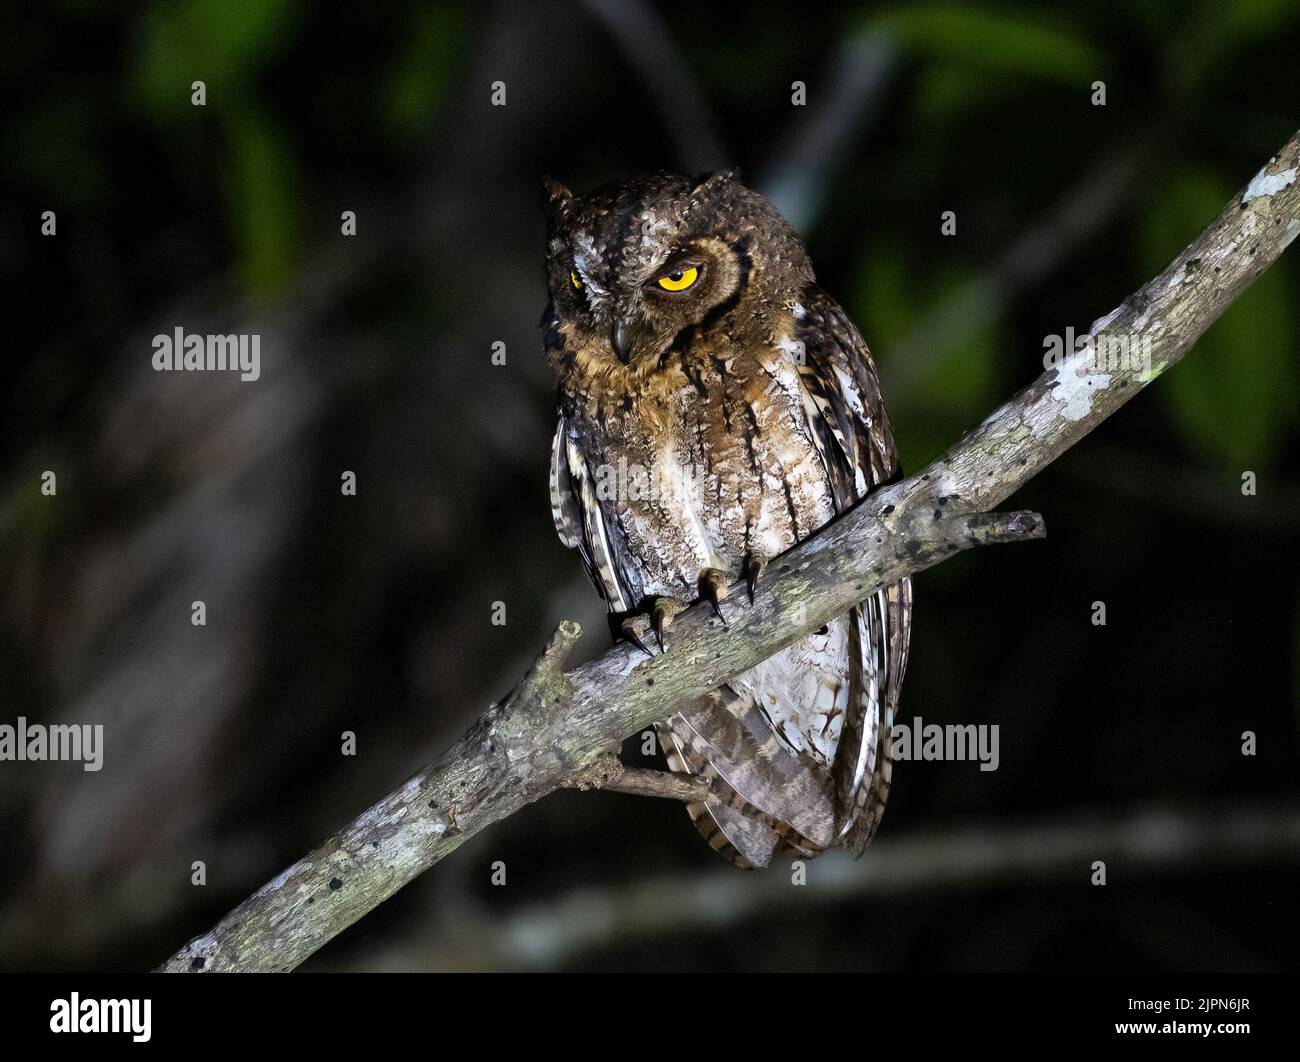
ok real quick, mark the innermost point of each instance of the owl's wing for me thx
(852, 428)
(847, 420)
(579, 518)
(728, 740)
(564, 503)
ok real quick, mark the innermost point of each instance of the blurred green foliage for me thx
(964, 377)
(978, 70)
(969, 119)
(419, 78)
(1235, 400)
(262, 191)
(231, 47)
(227, 46)
(986, 39)
(223, 44)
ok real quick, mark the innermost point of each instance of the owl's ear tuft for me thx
(557, 202)
(704, 185)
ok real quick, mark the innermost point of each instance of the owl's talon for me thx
(631, 635)
(751, 570)
(629, 627)
(659, 621)
(662, 611)
(654, 613)
(713, 588)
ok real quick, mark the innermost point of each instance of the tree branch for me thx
(555, 725)
(612, 774)
(1139, 843)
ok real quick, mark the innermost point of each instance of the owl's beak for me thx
(621, 337)
(628, 337)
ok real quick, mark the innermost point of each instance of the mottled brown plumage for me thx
(715, 408)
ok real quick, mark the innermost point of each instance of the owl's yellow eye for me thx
(573, 279)
(679, 279)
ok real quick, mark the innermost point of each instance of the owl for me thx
(716, 407)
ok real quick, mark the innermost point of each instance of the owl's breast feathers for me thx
(743, 442)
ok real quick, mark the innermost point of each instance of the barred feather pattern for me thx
(857, 444)
(779, 417)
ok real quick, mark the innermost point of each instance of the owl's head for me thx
(639, 263)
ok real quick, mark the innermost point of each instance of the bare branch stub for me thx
(556, 725)
(614, 776)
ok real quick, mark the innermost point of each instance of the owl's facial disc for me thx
(641, 264)
(652, 305)
(638, 328)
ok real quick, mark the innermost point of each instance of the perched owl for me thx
(715, 408)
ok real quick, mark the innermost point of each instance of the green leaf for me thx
(988, 39)
(261, 183)
(948, 94)
(963, 380)
(220, 43)
(415, 87)
(884, 299)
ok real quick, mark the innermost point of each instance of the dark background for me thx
(372, 614)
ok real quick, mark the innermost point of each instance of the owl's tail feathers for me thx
(740, 840)
(767, 802)
(864, 766)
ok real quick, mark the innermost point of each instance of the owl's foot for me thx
(713, 589)
(751, 569)
(655, 614)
